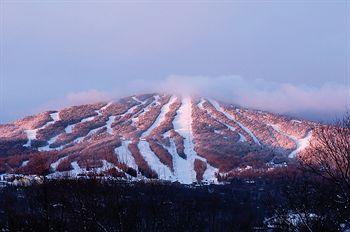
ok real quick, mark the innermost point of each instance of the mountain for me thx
(152, 136)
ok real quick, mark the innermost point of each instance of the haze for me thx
(287, 57)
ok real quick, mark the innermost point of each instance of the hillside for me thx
(152, 136)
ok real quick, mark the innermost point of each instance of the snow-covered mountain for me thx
(168, 137)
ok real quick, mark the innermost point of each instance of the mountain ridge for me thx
(169, 137)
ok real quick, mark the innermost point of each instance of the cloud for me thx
(263, 94)
(84, 97)
(313, 102)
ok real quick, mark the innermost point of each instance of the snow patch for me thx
(31, 134)
(155, 103)
(24, 163)
(301, 144)
(242, 138)
(222, 110)
(109, 123)
(138, 100)
(49, 143)
(208, 111)
(183, 125)
(161, 117)
(153, 161)
(99, 112)
(54, 165)
(124, 155)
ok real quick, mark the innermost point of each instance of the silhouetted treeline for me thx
(93, 205)
(242, 205)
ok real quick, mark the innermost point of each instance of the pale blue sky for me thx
(54, 49)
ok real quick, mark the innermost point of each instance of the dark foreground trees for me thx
(319, 200)
(92, 205)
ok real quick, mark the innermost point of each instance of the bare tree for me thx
(329, 156)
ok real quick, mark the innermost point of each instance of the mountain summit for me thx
(160, 136)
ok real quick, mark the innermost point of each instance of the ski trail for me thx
(222, 110)
(93, 131)
(301, 144)
(163, 171)
(181, 166)
(129, 111)
(69, 128)
(99, 112)
(31, 134)
(161, 117)
(24, 163)
(154, 103)
(54, 165)
(183, 125)
(152, 159)
(200, 105)
(124, 155)
(109, 123)
(76, 169)
(138, 100)
(242, 138)
(49, 142)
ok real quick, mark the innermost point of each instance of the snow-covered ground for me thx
(31, 134)
(77, 170)
(24, 163)
(242, 138)
(69, 129)
(54, 165)
(99, 112)
(208, 111)
(153, 161)
(183, 125)
(138, 100)
(161, 117)
(124, 155)
(109, 123)
(301, 144)
(155, 102)
(49, 142)
(222, 110)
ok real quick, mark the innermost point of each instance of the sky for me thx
(288, 57)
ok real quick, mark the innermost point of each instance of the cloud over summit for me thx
(329, 99)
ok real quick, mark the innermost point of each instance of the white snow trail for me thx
(31, 134)
(152, 159)
(99, 112)
(24, 163)
(301, 144)
(138, 100)
(93, 131)
(183, 125)
(242, 138)
(54, 165)
(49, 142)
(161, 117)
(69, 128)
(109, 123)
(154, 103)
(182, 168)
(163, 171)
(200, 105)
(124, 155)
(222, 110)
